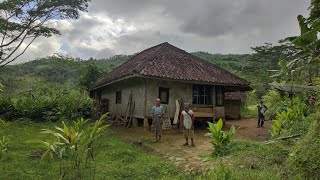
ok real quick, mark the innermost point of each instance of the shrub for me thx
(4, 137)
(291, 119)
(304, 160)
(46, 105)
(221, 139)
(220, 172)
(74, 143)
(7, 109)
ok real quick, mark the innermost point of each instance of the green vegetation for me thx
(114, 158)
(46, 104)
(221, 139)
(251, 160)
(74, 143)
(25, 21)
(304, 161)
(52, 90)
(4, 137)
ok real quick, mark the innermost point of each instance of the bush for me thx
(46, 105)
(290, 119)
(304, 160)
(221, 139)
(73, 144)
(274, 102)
(7, 109)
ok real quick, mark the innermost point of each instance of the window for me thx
(202, 94)
(164, 95)
(118, 97)
(220, 96)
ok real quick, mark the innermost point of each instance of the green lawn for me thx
(118, 159)
(115, 159)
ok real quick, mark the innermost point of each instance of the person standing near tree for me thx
(157, 119)
(261, 113)
(187, 124)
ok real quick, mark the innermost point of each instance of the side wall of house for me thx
(177, 90)
(136, 85)
(232, 108)
(146, 90)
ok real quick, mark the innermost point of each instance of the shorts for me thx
(188, 133)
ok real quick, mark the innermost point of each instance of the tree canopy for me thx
(23, 21)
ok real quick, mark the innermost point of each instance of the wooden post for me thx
(145, 124)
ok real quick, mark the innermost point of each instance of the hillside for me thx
(53, 71)
(58, 70)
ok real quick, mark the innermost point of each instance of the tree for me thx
(90, 74)
(23, 21)
(309, 57)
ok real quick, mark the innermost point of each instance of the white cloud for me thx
(126, 27)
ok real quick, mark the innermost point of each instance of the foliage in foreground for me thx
(304, 160)
(24, 21)
(4, 137)
(114, 158)
(74, 143)
(221, 139)
(250, 160)
(290, 120)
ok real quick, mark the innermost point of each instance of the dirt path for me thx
(192, 158)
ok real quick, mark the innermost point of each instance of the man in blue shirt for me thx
(157, 119)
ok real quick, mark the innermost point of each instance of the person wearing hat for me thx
(261, 113)
(157, 119)
(187, 124)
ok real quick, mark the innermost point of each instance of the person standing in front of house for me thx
(187, 124)
(261, 113)
(157, 119)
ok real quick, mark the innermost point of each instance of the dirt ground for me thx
(191, 158)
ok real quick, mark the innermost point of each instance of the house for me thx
(169, 73)
(232, 104)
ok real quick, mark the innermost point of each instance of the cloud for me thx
(126, 27)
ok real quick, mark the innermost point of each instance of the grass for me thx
(250, 111)
(118, 159)
(251, 160)
(115, 159)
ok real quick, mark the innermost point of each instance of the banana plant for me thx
(73, 143)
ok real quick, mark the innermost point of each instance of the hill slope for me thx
(57, 70)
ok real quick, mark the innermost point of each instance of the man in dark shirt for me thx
(261, 113)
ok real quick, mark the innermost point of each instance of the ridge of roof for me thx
(211, 64)
(142, 65)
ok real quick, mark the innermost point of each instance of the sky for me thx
(112, 27)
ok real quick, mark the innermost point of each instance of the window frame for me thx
(166, 90)
(220, 95)
(203, 93)
(118, 97)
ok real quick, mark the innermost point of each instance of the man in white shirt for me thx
(187, 124)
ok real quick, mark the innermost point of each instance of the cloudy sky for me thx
(128, 26)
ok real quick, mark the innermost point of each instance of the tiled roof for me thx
(235, 96)
(169, 62)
